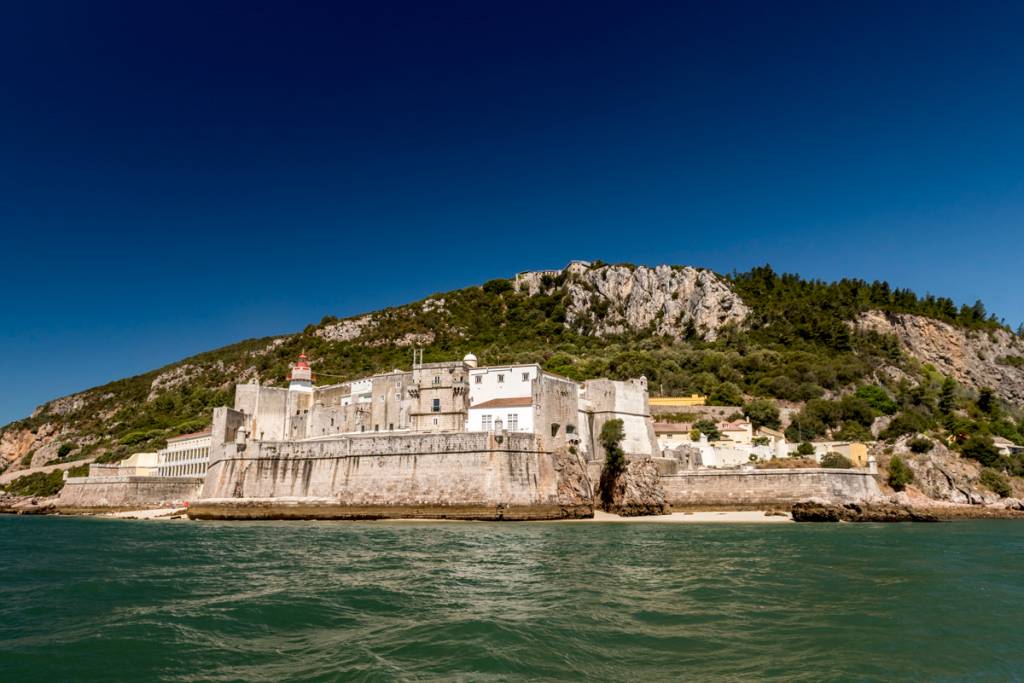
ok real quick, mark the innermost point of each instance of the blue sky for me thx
(178, 176)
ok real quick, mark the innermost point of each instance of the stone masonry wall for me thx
(104, 494)
(466, 475)
(766, 488)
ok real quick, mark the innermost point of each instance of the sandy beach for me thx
(743, 516)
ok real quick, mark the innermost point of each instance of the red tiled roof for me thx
(516, 402)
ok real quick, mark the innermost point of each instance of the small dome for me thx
(470, 360)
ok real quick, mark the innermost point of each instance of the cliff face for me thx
(666, 299)
(974, 358)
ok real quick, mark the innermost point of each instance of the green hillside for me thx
(796, 346)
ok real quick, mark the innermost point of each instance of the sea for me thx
(90, 599)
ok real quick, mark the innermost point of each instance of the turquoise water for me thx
(108, 600)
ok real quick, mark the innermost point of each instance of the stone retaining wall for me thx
(457, 475)
(757, 489)
(108, 494)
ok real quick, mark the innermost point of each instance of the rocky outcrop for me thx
(940, 474)
(822, 511)
(637, 491)
(345, 330)
(666, 299)
(976, 359)
(16, 444)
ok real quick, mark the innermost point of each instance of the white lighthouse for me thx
(301, 377)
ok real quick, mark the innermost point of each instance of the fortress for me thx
(441, 440)
(449, 439)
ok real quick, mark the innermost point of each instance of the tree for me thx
(947, 396)
(805, 449)
(726, 394)
(612, 434)
(763, 412)
(900, 474)
(708, 428)
(996, 481)
(987, 401)
(836, 460)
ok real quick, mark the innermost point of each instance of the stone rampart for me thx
(110, 494)
(757, 489)
(447, 475)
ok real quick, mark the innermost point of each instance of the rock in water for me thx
(821, 511)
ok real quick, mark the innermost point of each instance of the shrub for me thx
(836, 460)
(980, 448)
(920, 445)
(612, 434)
(726, 394)
(877, 398)
(996, 481)
(65, 450)
(853, 431)
(900, 474)
(37, 484)
(907, 422)
(805, 449)
(79, 471)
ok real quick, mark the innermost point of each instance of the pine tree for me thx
(947, 396)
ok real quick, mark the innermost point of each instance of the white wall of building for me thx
(187, 457)
(508, 381)
(514, 419)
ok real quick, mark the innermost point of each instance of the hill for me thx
(845, 357)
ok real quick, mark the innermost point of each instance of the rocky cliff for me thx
(668, 300)
(975, 358)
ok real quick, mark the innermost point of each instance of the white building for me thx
(187, 455)
(514, 414)
(502, 393)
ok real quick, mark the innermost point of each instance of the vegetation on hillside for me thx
(800, 348)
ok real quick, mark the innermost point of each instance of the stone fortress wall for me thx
(447, 475)
(108, 494)
(758, 489)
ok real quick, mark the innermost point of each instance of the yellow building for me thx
(679, 401)
(855, 452)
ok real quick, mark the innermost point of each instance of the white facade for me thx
(185, 456)
(513, 414)
(501, 381)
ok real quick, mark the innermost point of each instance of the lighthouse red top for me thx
(300, 371)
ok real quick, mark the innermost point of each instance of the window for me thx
(486, 422)
(479, 379)
(391, 426)
(436, 406)
(362, 428)
(501, 379)
(435, 420)
(513, 422)
(554, 428)
(437, 379)
(376, 428)
(570, 429)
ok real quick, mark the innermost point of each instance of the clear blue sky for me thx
(178, 176)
